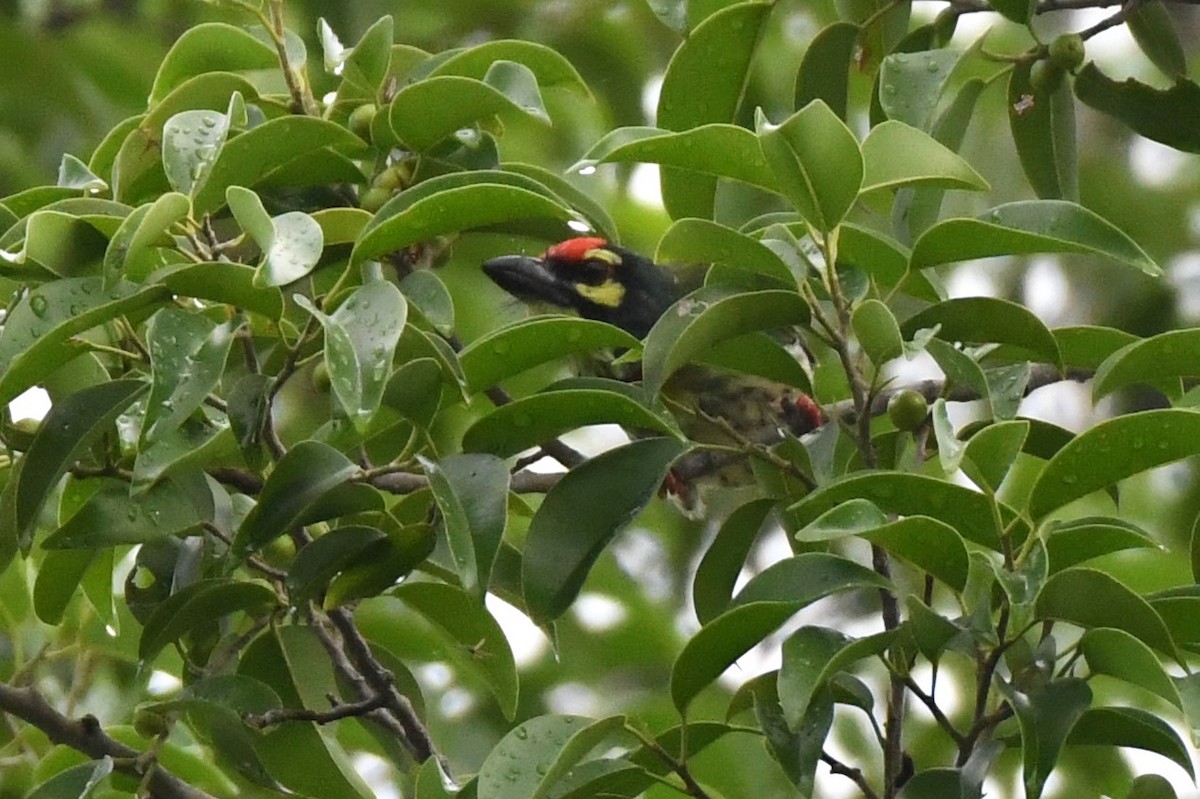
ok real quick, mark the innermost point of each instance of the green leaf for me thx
(1111, 451)
(1042, 121)
(1153, 29)
(221, 282)
(806, 578)
(722, 562)
(896, 155)
(910, 85)
(529, 421)
(59, 575)
(471, 491)
(718, 645)
(1151, 786)
(816, 161)
(262, 153)
(111, 517)
(1046, 715)
(825, 69)
(1018, 11)
(852, 517)
(520, 346)
(715, 150)
(462, 619)
(1119, 654)
(453, 210)
(530, 761)
(66, 433)
(76, 782)
(74, 174)
(425, 112)
(360, 340)
(572, 196)
(707, 316)
(959, 367)
(297, 242)
(928, 544)
(884, 260)
(811, 656)
(1132, 727)
(210, 47)
(141, 229)
(581, 514)
(38, 331)
(1077, 540)
(968, 512)
(704, 83)
(365, 67)
(759, 354)
(1089, 598)
(1170, 116)
(1086, 346)
(339, 225)
(702, 241)
(320, 560)
(202, 602)
(382, 564)
(426, 292)
(187, 358)
(877, 331)
(992, 451)
(191, 142)
(1155, 360)
(549, 66)
(985, 320)
(1026, 227)
(250, 214)
(303, 477)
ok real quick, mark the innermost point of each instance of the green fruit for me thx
(320, 377)
(361, 119)
(148, 723)
(907, 409)
(1068, 51)
(373, 198)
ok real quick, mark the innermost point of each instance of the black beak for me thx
(527, 278)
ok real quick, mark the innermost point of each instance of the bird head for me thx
(592, 277)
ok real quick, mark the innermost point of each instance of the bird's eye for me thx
(593, 272)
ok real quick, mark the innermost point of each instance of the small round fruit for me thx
(320, 377)
(373, 198)
(907, 409)
(148, 723)
(1068, 51)
(360, 120)
(1046, 76)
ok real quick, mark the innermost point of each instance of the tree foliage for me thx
(286, 468)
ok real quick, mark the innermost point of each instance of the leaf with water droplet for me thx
(531, 761)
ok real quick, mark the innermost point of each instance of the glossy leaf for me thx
(716, 150)
(222, 282)
(66, 432)
(853, 517)
(306, 474)
(967, 511)
(38, 331)
(884, 260)
(530, 342)
(582, 513)
(319, 561)
(191, 142)
(141, 229)
(704, 83)
(1153, 29)
(1046, 715)
(712, 588)
(111, 517)
(980, 320)
(1018, 11)
(531, 759)
(1027, 227)
(811, 656)
(816, 161)
(210, 47)
(1167, 116)
(187, 358)
(928, 544)
(806, 578)
(1089, 598)
(471, 491)
(707, 316)
(991, 452)
(1042, 121)
(702, 241)
(425, 112)
(759, 354)
(549, 66)
(202, 602)
(1121, 655)
(454, 210)
(910, 85)
(1132, 727)
(1071, 542)
(1113, 450)
(360, 340)
(365, 67)
(825, 69)
(877, 331)
(896, 155)
(1155, 360)
(465, 623)
(1087, 346)
(529, 421)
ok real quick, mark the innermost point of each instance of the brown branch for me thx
(854, 775)
(85, 735)
(336, 713)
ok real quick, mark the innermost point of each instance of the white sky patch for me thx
(162, 683)
(1184, 274)
(644, 185)
(970, 282)
(573, 698)
(1047, 291)
(527, 642)
(598, 612)
(33, 403)
(377, 773)
(1156, 165)
(456, 703)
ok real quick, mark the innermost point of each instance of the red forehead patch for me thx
(575, 249)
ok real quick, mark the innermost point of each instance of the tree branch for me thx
(85, 735)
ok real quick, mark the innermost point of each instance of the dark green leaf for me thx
(1154, 361)
(187, 358)
(1089, 598)
(825, 69)
(910, 85)
(1042, 121)
(980, 320)
(877, 331)
(471, 492)
(702, 241)
(1086, 346)
(1170, 116)
(222, 282)
(811, 656)
(530, 760)
(1133, 727)
(805, 578)
(319, 561)
(722, 562)
(202, 602)
(582, 513)
(1154, 31)
(210, 47)
(1046, 715)
(1121, 655)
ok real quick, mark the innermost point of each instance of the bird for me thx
(603, 281)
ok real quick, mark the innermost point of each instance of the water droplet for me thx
(37, 304)
(521, 733)
(500, 348)
(1070, 479)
